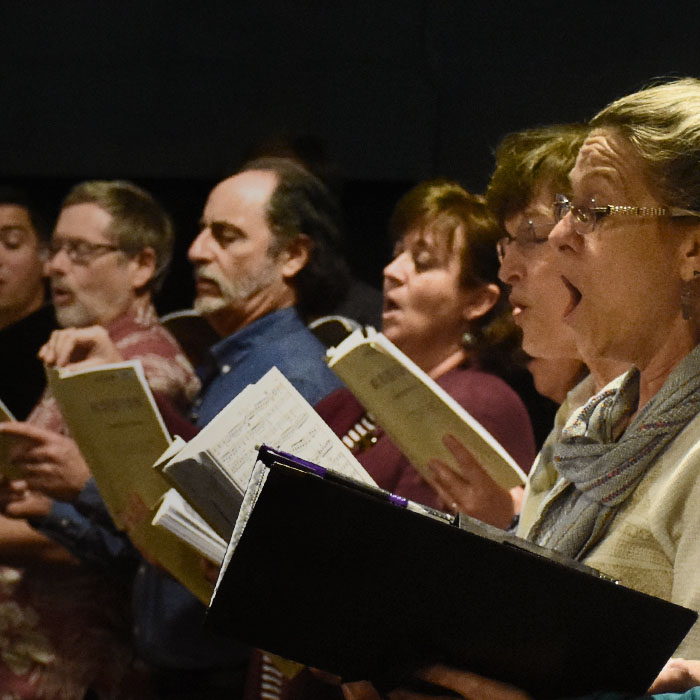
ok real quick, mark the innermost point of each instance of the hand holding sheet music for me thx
(467, 487)
(80, 348)
(47, 461)
(413, 410)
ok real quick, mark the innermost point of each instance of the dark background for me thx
(174, 95)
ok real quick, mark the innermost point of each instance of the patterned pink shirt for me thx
(137, 337)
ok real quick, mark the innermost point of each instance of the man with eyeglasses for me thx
(26, 319)
(109, 252)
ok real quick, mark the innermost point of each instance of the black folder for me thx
(359, 583)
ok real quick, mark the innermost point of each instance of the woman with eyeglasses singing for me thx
(531, 166)
(627, 246)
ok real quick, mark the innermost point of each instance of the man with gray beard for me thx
(109, 251)
(266, 257)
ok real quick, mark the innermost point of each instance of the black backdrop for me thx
(174, 94)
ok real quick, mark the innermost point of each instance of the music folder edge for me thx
(352, 580)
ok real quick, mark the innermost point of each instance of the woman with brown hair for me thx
(443, 307)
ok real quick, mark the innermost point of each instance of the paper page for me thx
(111, 369)
(270, 412)
(174, 555)
(277, 415)
(177, 516)
(212, 471)
(414, 411)
(208, 488)
(175, 447)
(112, 416)
(257, 481)
(217, 428)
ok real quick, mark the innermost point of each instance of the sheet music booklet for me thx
(413, 409)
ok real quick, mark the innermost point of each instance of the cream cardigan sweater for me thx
(653, 544)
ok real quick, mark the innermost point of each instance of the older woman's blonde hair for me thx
(662, 122)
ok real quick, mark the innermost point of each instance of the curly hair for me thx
(527, 159)
(302, 204)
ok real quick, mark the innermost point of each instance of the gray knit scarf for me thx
(603, 460)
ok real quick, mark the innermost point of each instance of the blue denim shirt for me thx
(278, 339)
(85, 529)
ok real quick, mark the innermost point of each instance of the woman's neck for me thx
(604, 370)
(655, 370)
(447, 363)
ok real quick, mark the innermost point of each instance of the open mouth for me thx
(574, 297)
(517, 308)
(60, 296)
(389, 306)
(517, 305)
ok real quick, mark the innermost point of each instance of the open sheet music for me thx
(213, 469)
(112, 416)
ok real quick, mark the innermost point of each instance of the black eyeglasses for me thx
(586, 217)
(80, 252)
(525, 236)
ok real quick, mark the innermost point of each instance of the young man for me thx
(26, 320)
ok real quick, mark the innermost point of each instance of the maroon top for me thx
(485, 396)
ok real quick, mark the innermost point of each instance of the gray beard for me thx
(74, 316)
(235, 292)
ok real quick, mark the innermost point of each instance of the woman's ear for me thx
(296, 255)
(143, 268)
(689, 268)
(690, 254)
(480, 301)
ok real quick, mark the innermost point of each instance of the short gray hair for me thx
(138, 221)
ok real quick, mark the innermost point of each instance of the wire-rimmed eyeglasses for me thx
(586, 217)
(78, 251)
